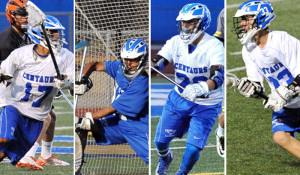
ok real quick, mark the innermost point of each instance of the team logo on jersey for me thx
(272, 69)
(171, 132)
(189, 69)
(38, 78)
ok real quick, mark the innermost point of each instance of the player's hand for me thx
(4, 77)
(250, 89)
(86, 122)
(66, 83)
(279, 98)
(192, 91)
(83, 86)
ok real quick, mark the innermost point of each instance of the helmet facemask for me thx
(188, 36)
(55, 32)
(242, 34)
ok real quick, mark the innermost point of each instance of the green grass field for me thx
(64, 122)
(250, 148)
(210, 162)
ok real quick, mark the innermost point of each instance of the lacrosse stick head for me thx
(231, 80)
(195, 13)
(257, 14)
(35, 16)
(134, 50)
(55, 32)
(16, 14)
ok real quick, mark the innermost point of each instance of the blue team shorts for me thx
(113, 130)
(287, 120)
(21, 132)
(180, 115)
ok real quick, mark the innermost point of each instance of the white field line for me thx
(236, 69)
(236, 53)
(64, 128)
(67, 112)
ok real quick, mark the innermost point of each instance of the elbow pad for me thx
(159, 62)
(217, 75)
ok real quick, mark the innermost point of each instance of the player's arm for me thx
(159, 62)
(202, 89)
(86, 83)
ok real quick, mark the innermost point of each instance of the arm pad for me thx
(217, 75)
(159, 62)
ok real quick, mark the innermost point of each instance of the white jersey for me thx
(33, 88)
(193, 67)
(278, 62)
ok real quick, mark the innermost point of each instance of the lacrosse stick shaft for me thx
(166, 77)
(67, 100)
(81, 70)
(51, 52)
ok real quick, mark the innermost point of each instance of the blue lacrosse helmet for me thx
(55, 34)
(190, 12)
(263, 14)
(134, 49)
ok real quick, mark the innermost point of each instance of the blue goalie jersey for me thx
(130, 97)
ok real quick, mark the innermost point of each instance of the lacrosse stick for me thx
(36, 18)
(82, 44)
(78, 154)
(166, 77)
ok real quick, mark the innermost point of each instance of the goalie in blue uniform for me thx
(126, 119)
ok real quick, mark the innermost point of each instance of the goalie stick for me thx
(82, 44)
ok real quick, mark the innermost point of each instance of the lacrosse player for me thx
(27, 101)
(198, 61)
(14, 37)
(126, 119)
(220, 130)
(274, 56)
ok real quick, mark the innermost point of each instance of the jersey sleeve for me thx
(132, 101)
(216, 53)
(253, 73)
(168, 49)
(291, 50)
(111, 68)
(10, 64)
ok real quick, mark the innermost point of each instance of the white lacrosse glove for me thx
(192, 91)
(250, 89)
(83, 86)
(279, 98)
(66, 83)
(84, 122)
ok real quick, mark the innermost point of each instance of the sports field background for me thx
(210, 162)
(250, 148)
(63, 144)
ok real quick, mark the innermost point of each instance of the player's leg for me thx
(137, 136)
(23, 133)
(284, 123)
(46, 157)
(171, 124)
(201, 124)
(288, 142)
(29, 157)
(7, 125)
(220, 135)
